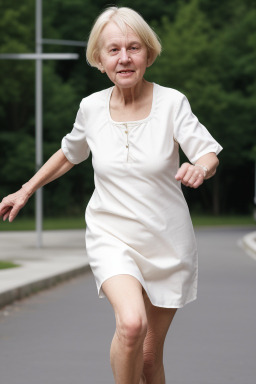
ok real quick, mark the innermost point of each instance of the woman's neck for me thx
(129, 96)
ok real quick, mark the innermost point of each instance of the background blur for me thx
(209, 53)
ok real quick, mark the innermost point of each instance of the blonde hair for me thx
(123, 17)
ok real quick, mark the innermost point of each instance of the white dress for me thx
(138, 222)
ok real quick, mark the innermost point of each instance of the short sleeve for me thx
(193, 138)
(74, 144)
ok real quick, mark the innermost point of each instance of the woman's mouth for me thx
(126, 71)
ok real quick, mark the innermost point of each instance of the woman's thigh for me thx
(124, 293)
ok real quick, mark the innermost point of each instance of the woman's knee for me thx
(152, 358)
(151, 361)
(131, 329)
(153, 367)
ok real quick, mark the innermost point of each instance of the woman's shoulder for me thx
(168, 93)
(96, 99)
(168, 100)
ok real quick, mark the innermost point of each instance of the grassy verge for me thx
(25, 224)
(7, 264)
(201, 221)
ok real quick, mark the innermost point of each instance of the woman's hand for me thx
(55, 167)
(12, 204)
(194, 175)
(190, 175)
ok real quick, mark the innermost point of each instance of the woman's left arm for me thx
(194, 175)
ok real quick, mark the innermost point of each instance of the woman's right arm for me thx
(55, 167)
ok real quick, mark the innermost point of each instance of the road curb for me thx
(9, 296)
(249, 243)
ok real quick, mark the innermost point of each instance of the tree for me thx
(214, 67)
(209, 53)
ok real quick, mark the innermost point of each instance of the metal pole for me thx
(38, 57)
(72, 43)
(39, 135)
(41, 56)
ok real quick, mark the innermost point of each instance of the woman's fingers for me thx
(12, 204)
(182, 171)
(4, 209)
(199, 180)
(13, 213)
(190, 175)
(6, 214)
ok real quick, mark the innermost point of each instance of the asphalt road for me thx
(62, 335)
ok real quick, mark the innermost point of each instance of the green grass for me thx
(7, 264)
(202, 221)
(24, 224)
(78, 223)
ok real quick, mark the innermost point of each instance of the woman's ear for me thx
(149, 59)
(101, 68)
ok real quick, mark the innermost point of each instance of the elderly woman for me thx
(139, 237)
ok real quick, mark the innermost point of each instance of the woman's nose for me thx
(124, 58)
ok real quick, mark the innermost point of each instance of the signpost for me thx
(39, 56)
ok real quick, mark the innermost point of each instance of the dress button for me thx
(127, 146)
(126, 131)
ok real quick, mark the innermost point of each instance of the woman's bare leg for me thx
(126, 355)
(159, 320)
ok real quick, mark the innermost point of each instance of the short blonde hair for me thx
(123, 17)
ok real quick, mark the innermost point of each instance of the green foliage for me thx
(7, 264)
(213, 63)
(209, 53)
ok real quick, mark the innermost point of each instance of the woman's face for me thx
(124, 57)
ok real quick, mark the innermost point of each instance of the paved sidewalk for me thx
(249, 244)
(61, 257)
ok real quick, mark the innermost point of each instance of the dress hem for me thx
(173, 304)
